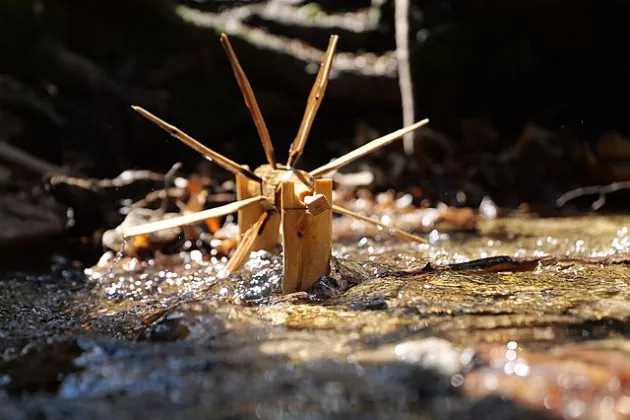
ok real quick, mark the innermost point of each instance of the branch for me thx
(35, 164)
(602, 190)
(404, 69)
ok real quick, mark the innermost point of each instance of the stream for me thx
(524, 318)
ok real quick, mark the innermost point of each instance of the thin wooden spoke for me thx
(250, 101)
(365, 149)
(246, 244)
(218, 158)
(314, 101)
(395, 230)
(189, 218)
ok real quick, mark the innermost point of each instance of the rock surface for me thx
(526, 319)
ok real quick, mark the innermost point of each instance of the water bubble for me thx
(487, 208)
(457, 380)
(575, 409)
(521, 369)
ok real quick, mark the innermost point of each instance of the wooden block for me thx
(249, 215)
(324, 226)
(317, 204)
(306, 238)
(270, 236)
(325, 187)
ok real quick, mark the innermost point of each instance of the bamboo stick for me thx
(218, 158)
(397, 231)
(365, 149)
(313, 103)
(189, 218)
(250, 101)
(246, 245)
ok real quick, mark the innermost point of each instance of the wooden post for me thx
(248, 216)
(306, 238)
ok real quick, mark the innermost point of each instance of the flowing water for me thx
(526, 318)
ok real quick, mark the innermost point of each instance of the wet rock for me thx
(499, 408)
(113, 239)
(170, 328)
(376, 304)
(39, 370)
(583, 380)
(449, 340)
(432, 354)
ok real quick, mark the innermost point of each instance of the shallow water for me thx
(383, 335)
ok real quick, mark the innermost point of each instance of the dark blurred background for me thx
(527, 99)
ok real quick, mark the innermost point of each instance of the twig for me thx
(162, 195)
(167, 181)
(35, 164)
(18, 95)
(125, 178)
(363, 63)
(602, 190)
(401, 22)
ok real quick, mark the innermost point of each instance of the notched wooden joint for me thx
(317, 204)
